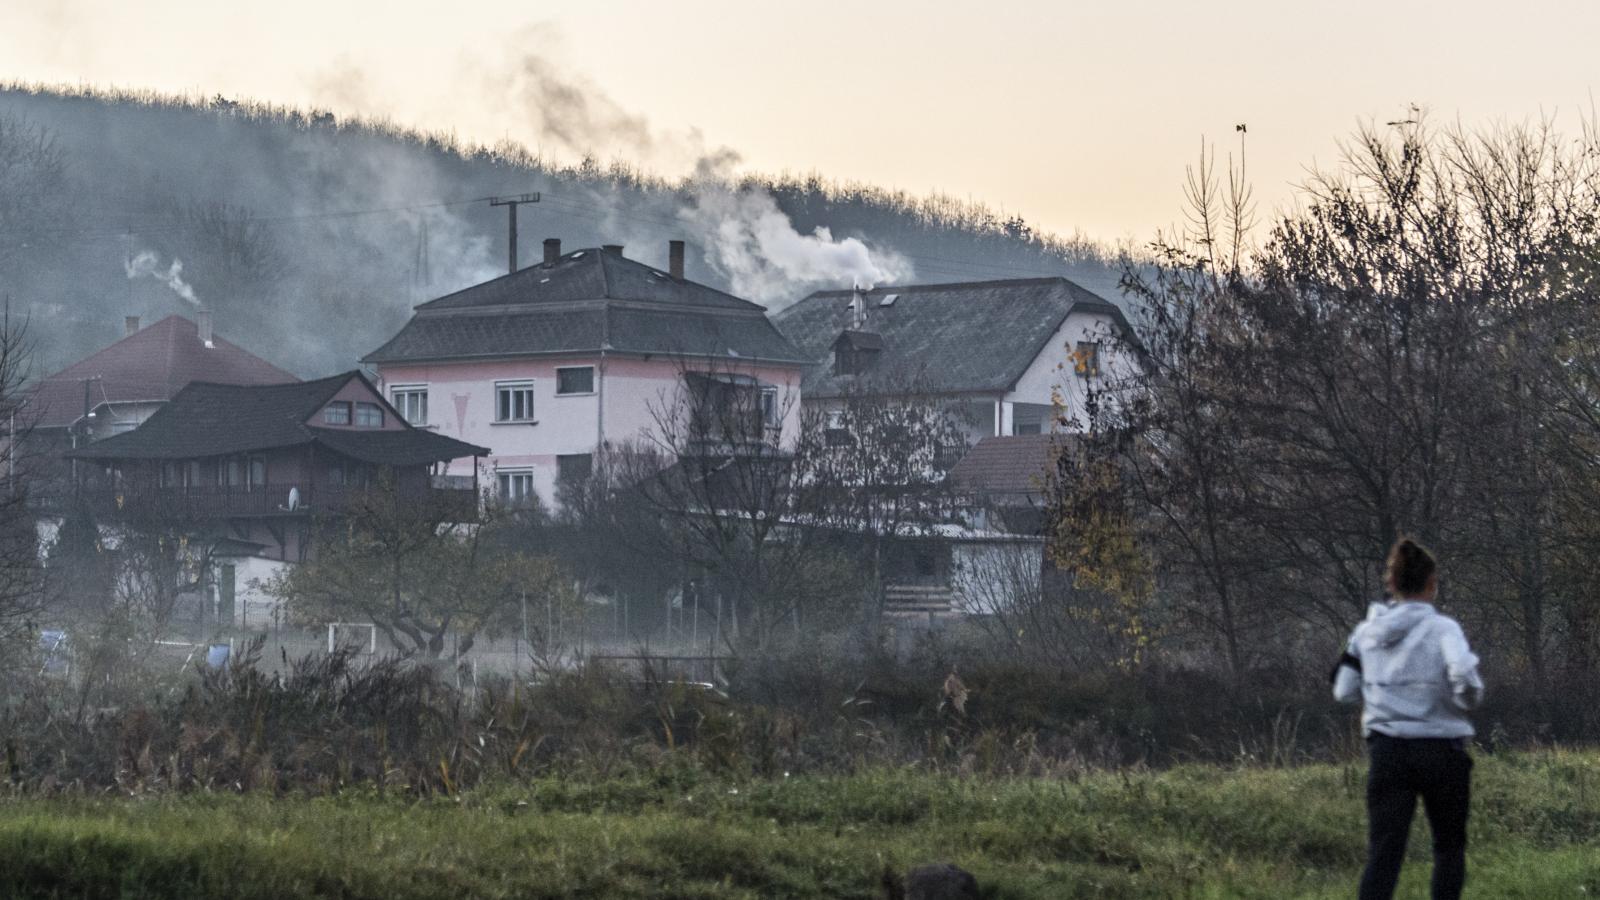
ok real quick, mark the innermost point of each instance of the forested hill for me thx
(311, 237)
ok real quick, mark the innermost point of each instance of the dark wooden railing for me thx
(269, 501)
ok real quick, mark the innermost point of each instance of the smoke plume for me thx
(147, 264)
(744, 236)
(749, 241)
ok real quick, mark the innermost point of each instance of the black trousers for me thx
(1402, 769)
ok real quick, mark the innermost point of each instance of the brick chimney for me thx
(552, 251)
(613, 249)
(202, 321)
(675, 259)
(130, 326)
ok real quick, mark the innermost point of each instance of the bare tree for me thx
(22, 584)
(873, 464)
(405, 565)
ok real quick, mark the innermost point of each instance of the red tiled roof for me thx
(152, 364)
(1014, 465)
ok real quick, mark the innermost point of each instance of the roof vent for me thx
(130, 326)
(203, 325)
(613, 249)
(552, 251)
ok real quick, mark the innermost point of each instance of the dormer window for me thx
(336, 413)
(856, 352)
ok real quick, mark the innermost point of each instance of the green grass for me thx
(1187, 832)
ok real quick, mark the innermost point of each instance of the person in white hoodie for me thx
(1411, 669)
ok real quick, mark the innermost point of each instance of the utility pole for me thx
(511, 204)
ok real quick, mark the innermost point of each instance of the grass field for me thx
(1187, 832)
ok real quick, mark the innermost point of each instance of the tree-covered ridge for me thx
(311, 235)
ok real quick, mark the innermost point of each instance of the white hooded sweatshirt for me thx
(1412, 669)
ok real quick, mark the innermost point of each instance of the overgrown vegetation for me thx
(669, 832)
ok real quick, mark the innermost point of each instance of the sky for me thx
(1081, 117)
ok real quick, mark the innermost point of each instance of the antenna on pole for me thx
(511, 203)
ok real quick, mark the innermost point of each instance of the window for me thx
(1086, 360)
(513, 401)
(191, 473)
(171, 475)
(769, 406)
(230, 472)
(574, 467)
(258, 472)
(411, 401)
(516, 485)
(369, 415)
(576, 380)
(336, 413)
(834, 432)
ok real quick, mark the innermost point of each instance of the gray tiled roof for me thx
(220, 419)
(950, 338)
(587, 301)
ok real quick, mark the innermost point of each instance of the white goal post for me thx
(371, 639)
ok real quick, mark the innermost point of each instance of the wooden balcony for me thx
(269, 501)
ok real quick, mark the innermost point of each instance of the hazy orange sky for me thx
(1079, 116)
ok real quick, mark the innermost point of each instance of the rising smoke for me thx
(311, 237)
(750, 242)
(738, 227)
(148, 265)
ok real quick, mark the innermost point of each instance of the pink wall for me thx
(461, 404)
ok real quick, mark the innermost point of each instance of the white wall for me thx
(1051, 376)
(997, 574)
(253, 607)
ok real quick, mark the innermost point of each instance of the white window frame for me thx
(768, 399)
(514, 387)
(589, 393)
(399, 396)
(505, 481)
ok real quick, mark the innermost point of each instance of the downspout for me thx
(600, 401)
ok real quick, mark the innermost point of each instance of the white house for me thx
(1007, 354)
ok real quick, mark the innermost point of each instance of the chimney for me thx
(675, 259)
(858, 309)
(203, 323)
(130, 326)
(613, 249)
(552, 251)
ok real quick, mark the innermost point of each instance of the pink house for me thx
(584, 351)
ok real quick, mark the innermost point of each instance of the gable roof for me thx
(152, 365)
(587, 301)
(207, 419)
(967, 337)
